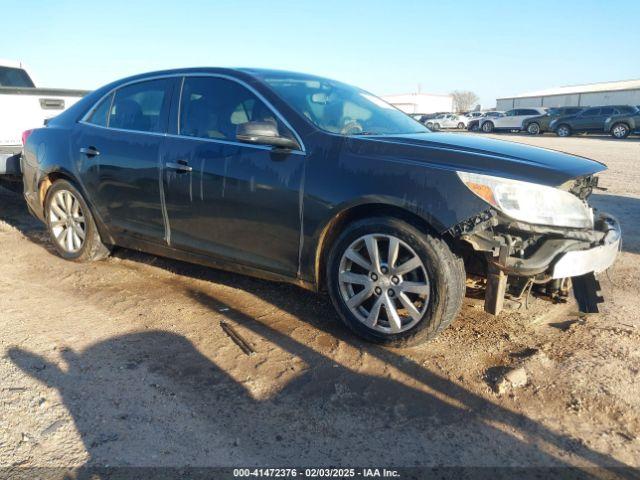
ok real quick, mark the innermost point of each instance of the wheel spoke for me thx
(360, 297)
(395, 324)
(415, 287)
(355, 257)
(57, 210)
(76, 239)
(79, 219)
(372, 318)
(411, 308)
(348, 277)
(408, 266)
(69, 239)
(67, 202)
(78, 231)
(61, 235)
(56, 223)
(372, 249)
(394, 248)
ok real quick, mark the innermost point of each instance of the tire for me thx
(429, 125)
(533, 129)
(487, 127)
(461, 126)
(620, 130)
(435, 286)
(66, 230)
(563, 130)
(436, 126)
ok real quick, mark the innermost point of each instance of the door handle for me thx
(181, 166)
(90, 151)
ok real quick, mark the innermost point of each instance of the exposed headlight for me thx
(530, 202)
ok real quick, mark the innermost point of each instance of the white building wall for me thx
(617, 97)
(421, 102)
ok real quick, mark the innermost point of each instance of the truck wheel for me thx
(487, 127)
(392, 283)
(620, 130)
(563, 130)
(71, 226)
(533, 129)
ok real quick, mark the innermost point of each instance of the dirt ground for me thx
(124, 362)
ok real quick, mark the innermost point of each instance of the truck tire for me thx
(392, 283)
(71, 225)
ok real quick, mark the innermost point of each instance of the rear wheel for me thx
(563, 130)
(487, 127)
(533, 128)
(71, 226)
(392, 283)
(435, 126)
(620, 130)
(460, 126)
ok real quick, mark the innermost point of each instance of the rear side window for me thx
(99, 114)
(572, 111)
(140, 106)
(606, 111)
(214, 107)
(591, 112)
(14, 77)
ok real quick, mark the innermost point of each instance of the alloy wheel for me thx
(67, 221)
(620, 130)
(533, 129)
(563, 131)
(384, 283)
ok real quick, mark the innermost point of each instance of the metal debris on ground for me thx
(237, 338)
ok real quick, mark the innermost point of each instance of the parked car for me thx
(540, 124)
(22, 106)
(473, 125)
(621, 125)
(311, 181)
(589, 120)
(448, 120)
(511, 120)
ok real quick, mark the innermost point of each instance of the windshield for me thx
(339, 108)
(14, 77)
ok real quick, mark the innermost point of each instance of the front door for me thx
(228, 199)
(587, 120)
(118, 148)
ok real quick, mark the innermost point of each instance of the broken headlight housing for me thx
(530, 202)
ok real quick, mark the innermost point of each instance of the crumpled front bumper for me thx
(595, 259)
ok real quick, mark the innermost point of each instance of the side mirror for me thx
(264, 133)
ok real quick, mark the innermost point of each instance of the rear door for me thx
(118, 147)
(587, 120)
(224, 198)
(509, 120)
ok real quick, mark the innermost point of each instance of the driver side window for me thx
(213, 108)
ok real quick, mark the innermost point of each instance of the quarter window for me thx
(214, 107)
(139, 106)
(99, 114)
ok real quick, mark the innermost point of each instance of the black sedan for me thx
(307, 180)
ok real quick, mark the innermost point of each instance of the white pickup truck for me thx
(23, 107)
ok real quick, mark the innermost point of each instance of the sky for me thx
(493, 48)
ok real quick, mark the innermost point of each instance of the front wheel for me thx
(392, 283)
(620, 130)
(460, 126)
(533, 129)
(436, 127)
(71, 226)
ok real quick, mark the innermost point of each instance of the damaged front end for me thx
(518, 254)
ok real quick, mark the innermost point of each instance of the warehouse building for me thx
(625, 92)
(421, 102)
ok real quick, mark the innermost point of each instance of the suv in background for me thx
(512, 119)
(473, 125)
(621, 125)
(589, 120)
(540, 124)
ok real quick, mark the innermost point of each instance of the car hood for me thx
(479, 154)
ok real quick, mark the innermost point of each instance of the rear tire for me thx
(409, 296)
(71, 225)
(436, 127)
(620, 130)
(487, 127)
(563, 130)
(460, 126)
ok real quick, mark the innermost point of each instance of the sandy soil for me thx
(124, 362)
